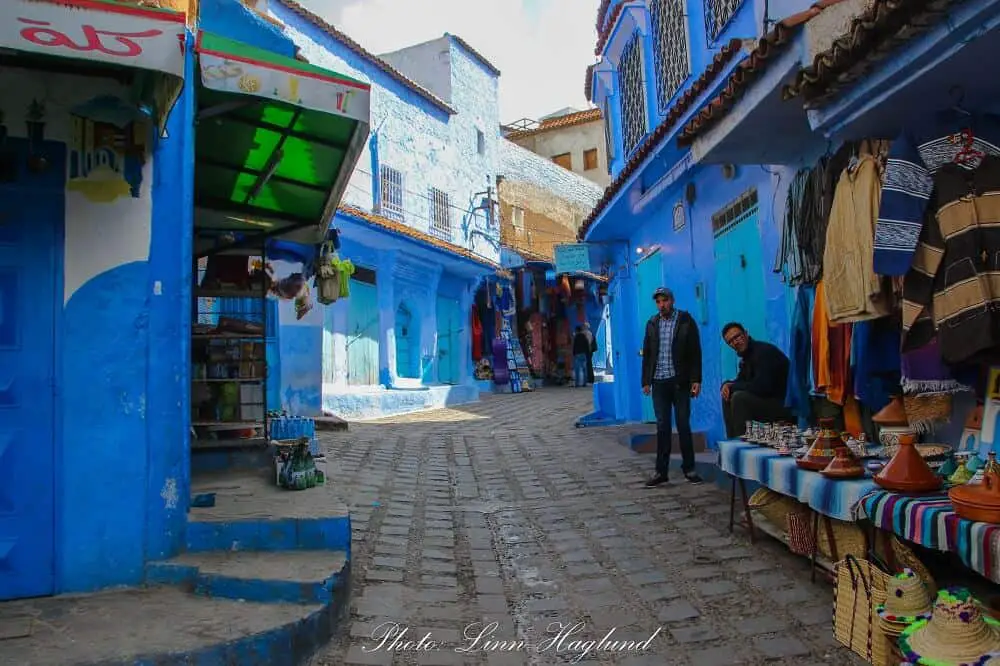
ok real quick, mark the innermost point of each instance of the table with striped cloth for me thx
(830, 497)
(930, 521)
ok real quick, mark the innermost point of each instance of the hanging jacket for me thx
(477, 334)
(914, 159)
(800, 353)
(954, 283)
(853, 291)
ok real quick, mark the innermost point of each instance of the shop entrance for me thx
(29, 295)
(649, 276)
(362, 334)
(739, 278)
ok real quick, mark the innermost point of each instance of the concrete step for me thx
(166, 626)
(296, 576)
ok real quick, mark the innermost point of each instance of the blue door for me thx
(739, 283)
(31, 212)
(649, 276)
(449, 328)
(362, 334)
(407, 344)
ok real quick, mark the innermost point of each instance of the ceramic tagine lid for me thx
(823, 450)
(892, 415)
(845, 465)
(908, 472)
(980, 502)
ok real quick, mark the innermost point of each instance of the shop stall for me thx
(889, 442)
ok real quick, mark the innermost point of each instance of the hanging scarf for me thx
(925, 372)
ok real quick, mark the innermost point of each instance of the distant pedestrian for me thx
(593, 350)
(671, 375)
(581, 350)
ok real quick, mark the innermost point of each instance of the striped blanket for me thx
(930, 521)
(834, 498)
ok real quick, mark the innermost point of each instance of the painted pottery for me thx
(823, 450)
(908, 471)
(979, 502)
(845, 465)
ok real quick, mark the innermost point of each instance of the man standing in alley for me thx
(671, 375)
(758, 392)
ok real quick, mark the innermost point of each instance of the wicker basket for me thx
(776, 509)
(860, 585)
(907, 559)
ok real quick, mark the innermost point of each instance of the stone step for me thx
(296, 576)
(167, 626)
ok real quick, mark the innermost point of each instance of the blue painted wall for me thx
(431, 139)
(688, 255)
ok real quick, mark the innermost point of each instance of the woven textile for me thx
(833, 498)
(931, 522)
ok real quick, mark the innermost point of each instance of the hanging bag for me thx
(860, 586)
(327, 276)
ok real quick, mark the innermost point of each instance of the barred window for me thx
(440, 210)
(735, 212)
(391, 202)
(632, 94)
(717, 15)
(670, 48)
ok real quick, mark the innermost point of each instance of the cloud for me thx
(542, 47)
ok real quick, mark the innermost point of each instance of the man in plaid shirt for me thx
(671, 375)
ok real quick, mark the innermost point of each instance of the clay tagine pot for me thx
(823, 450)
(892, 415)
(908, 472)
(844, 465)
(980, 502)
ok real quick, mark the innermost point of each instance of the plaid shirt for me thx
(665, 360)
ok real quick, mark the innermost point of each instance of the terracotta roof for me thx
(474, 53)
(588, 85)
(409, 232)
(681, 106)
(602, 9)
(604, 32)
(768, 47)
(885, 25)
(529, 255)
(360, 51)
(567, 120)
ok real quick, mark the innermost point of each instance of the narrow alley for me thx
(504, 511)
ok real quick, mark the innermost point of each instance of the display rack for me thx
(229, 361)
(513, 373)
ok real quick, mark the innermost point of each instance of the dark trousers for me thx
(672, 399)
(744, 406)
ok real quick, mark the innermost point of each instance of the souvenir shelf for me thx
(228, 363)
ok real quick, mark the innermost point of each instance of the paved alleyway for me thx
(504, 511)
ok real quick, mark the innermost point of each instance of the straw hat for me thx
(957, 633)
(907, 599)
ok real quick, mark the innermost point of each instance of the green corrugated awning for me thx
(277, 140)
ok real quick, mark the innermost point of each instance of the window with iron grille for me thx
(632, 92)
(440, 213)
(717, 15)
(735, 212)
(391, 201)
(670, 48)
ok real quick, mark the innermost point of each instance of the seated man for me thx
(758, 392)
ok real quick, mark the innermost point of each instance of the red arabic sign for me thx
(119, 34)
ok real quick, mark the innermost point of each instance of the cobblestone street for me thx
(503, 511)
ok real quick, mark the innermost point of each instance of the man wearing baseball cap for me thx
(671, 375)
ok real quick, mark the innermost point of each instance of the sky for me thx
(541, 47)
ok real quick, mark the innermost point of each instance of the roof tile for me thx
(404, 230)
(360, 51)
(768, 48)
(881, 28)
(567, 120)
(681, 106)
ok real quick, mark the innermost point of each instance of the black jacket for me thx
(763, 371)
(580, 344)
(686, 350)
